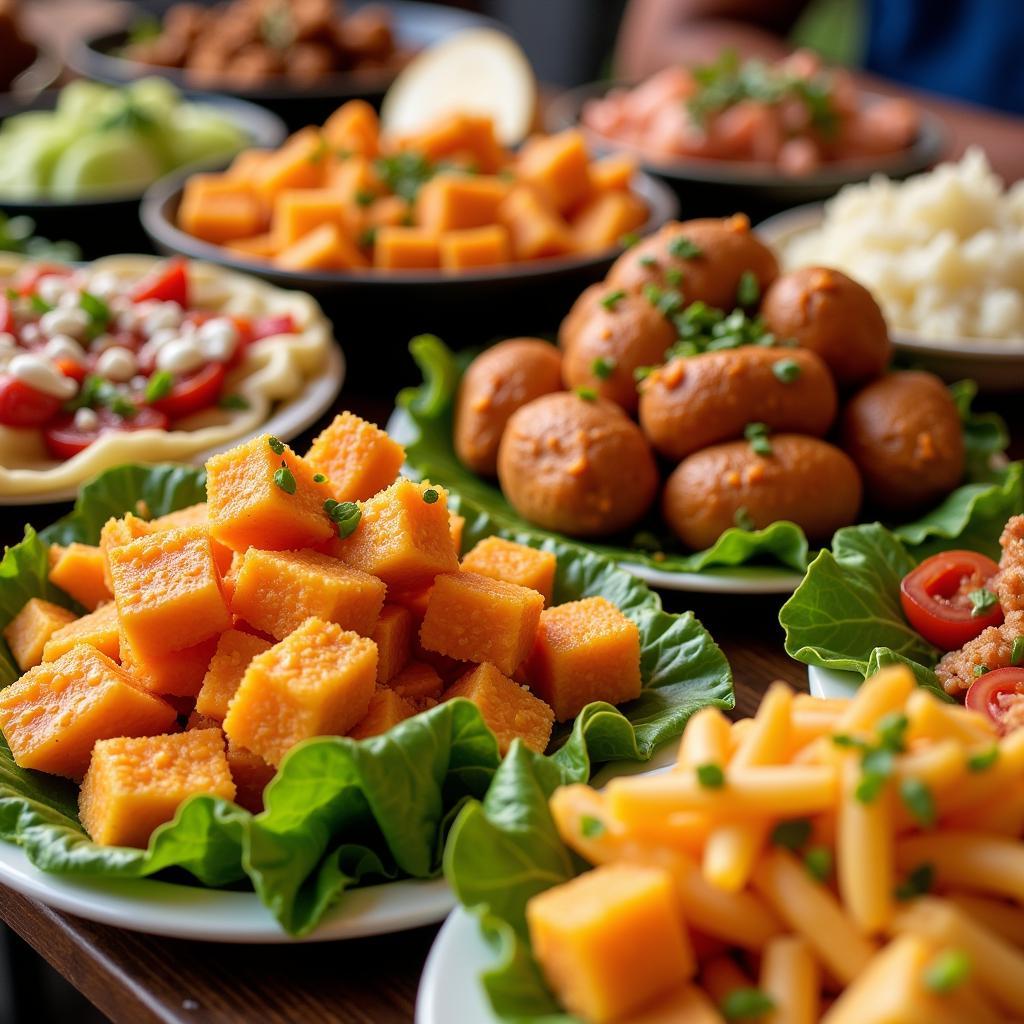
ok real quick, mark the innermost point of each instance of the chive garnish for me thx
(233, 402)
(984, 760)
(818, 862)
(757, 435)
(602, 367)
(612, 299)
(749, 289)
(587, 394)
(284, 479)
(792, 835)
(917, 883)
(319, 478)
(918, 800)
(982, 600)
(430, 495)
(710, 776)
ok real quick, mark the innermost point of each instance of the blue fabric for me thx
(969, 49)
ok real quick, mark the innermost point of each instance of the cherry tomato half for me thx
(995, 693)
(7, 324)
(193, 393)
(935, 598)
(168, 283)
(64, 440)
(267, 326)
(23, 406)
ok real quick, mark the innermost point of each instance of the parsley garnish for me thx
(757, 435)
(404, 173)
(981, 600)
(602, 367)
(629, 239)
(344, 514)
(918, 800)
(233, 402)
(159, 386)
(284, 479)
(948, 971)
(749, 289)
(591, 827)
(319, 478)
(983, 761)
(612, 299)
(275, 446)
(746, 1004)
(587, 394)
(683, 249)
(430, 496)
(364, 197)
(743, 519)
(818, 862)
(710, 775)
(787, 370)
(917, 883)
(793, 834)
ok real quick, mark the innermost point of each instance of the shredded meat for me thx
(1009, 584)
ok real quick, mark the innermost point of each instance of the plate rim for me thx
(832, 683)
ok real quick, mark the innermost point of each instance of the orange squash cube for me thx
(475, 618)
(393, 636)
(116, 532)
(537, 232)
(98, 629)
(602, 221)
(357, 457)
(456, 524)
(353, 128)
(251, 775)
(558, 167)
(414, 600)
(403, 536)
(79, 572)
(613, 173)
(276, 591)
(299, 163)
(249, 509)
(52, 716)
(611, 940)
(475, 247)
(28, 632)
(417, 681)
(195, 515)
(389, 211)
(245, 164)
(354, 181)
(502, 559)
(135, 784)
(459, 134)
(220, 207)
(177, 674)
(452, 202)
(255, 247)
(327, 247)
(298, 211)
(386, 709)
(318, 681)
(167, 590)
(231, 658)
(584, 651)
(402, 248)
(509, 710)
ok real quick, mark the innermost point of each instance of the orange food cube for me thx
(98, 629)
(299, 163)
(116, 532)
(258, 247)
(318, 681)
(389, 211)
(386, 709)
(509, 710)
(414, 600)
(251, 775)
(276, 591)
(537, 232)
(456, 524)
(611, 940)
(248, 508)
(475, 618)
(245, 164)
(451, 201)
(458, 134)
(613, 173)
(402, 537)
(327, 247)
(231, 658)
(220, 207)
(357, 457)
(354, 182)
(136, 783)
(584, 651)
(28, 632)
(298, 211)
(475, 247)
(401, 248)
(605, 219)
(416, 681)
(52, 716)
(79, 572)
(689, 1003)
(558, 167)
(502, 559)
(177, 674)
(353, 128)
(393, 636)
(167, 590)
(194, 515)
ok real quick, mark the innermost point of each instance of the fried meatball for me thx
(577, 466)
(497, 383)
(807, 481)
(833, 315)
(709, 255)
(614, 338)
(904, 433)
(694, 401)
(580, 312)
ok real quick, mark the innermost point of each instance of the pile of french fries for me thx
(851, 861)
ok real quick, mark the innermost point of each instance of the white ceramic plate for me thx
(287, 421)
(996, 365)
(829, 683)
(450, 989)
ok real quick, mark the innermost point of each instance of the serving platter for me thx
(830, 684)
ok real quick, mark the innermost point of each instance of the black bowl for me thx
(110, 223)
(718, 188)
(417, 25)
(375, 312)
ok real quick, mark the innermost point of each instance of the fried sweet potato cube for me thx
(297, 212)
(327, 247)
(416, 681)
(55, 712)
(558, 167)
(605, 219)
(354, 128)
(98, 629)
(194, 515)
(28, 632)
(509, 710)
(318, 681)
(135, 784)
(358, 458)
(393, 635)
(403, 536)
(454, 202)
(475, 618)
(177, 674)
(456, 524)
(168, 591)
(299, 163)
(231, 658)
(248, 507)
(475, 247)
(79, 572)
(386, 710)
(502, 559)
(584, 651)
(537, 231)
(405, 248)
(116, 532)
(249, 772)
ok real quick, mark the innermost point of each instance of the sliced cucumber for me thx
(103, 163)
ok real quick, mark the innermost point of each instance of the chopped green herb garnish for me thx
(275, 446)
(982, 601)
(683, 249)
(917, 883)
(344, 514)
(787, 370)
(284, 479)
(980, 670)
(233, 402)
(892, 731)
(404, 173)
(98, 312)
(629, 239)
(947, 972)
(319, 478)
(97, 392)
(612, 299)
(646, 541)
(591, 827)
(587, 394)
(918, 800)
(39, 304)
(602, 367)
(749, 289)
(792, 835)
(674, 276)
(746, 1004)
(159, 386)
(876, 766)
(367, 238)
(1017, 650)
(647, 261)
(818, 862)
(710, 776)
(318, 154)
(757, 435)
(430, 496)
(847, 742)
(743, 519)
(983, 761)
(364, 197)
(643, 372)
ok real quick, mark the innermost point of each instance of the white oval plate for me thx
(287, 421)
(450, 989)
(829, 683)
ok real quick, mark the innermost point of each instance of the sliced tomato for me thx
(64, 440)
(168, 283)
(193, 393)
(936, 601)
(21, 405)
(7, 324)
(266, 326)
(995, 694)
(68, 367)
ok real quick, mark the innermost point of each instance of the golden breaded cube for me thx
(231, 658)
(417, 681)
(514, 563)
(177, 674)
(55, 712)
(276, 591)
(249, 772)
(475, 618)
(78, 571)
(358, 458)
(252, 503)
(28, 632)
(584, 651)
(456, 524)
(168, 591)
(393, 636)
(98, 629)
(135, 784)
(116, 532)
(195, 515)
(509, 710)
(318, 681)
(386, 709)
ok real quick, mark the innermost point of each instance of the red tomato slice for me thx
(64, 440)
(70, 368)
(23, 406)
(198, 391)
(7, 324)
(266, 326)
(168, 283)
(935, 598)
(995, 693)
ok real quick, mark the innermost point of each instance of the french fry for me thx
(790, 976)
(969, 860)
(999, 917)
(706, 740)
(878, 696)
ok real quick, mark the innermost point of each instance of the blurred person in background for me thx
(966, 50)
